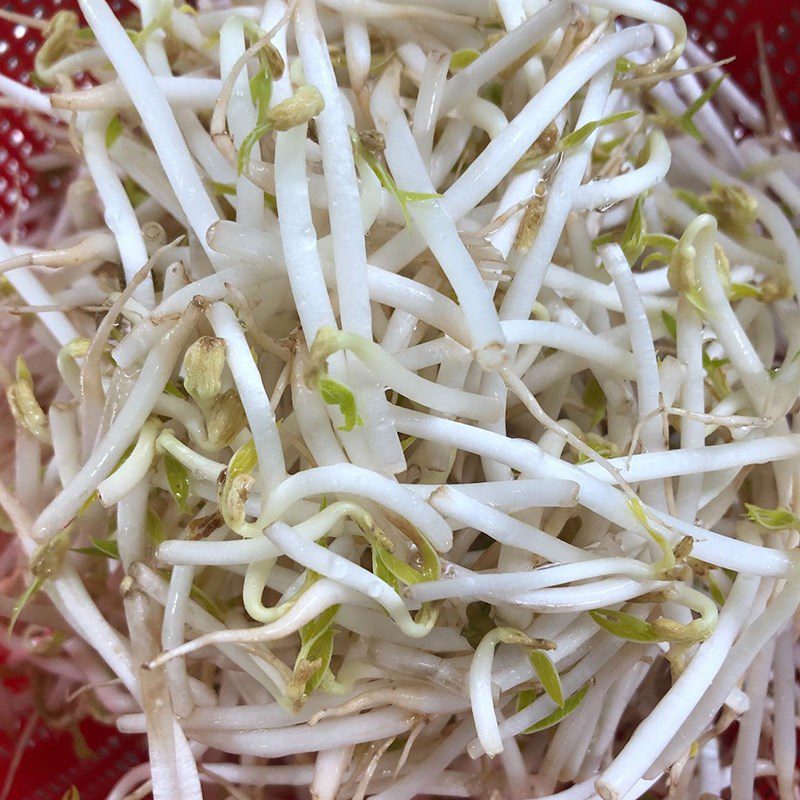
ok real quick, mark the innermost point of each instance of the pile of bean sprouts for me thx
(402, 401)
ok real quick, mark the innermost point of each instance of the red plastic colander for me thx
(19, 138)
(723, 27)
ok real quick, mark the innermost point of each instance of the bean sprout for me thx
(404, 404)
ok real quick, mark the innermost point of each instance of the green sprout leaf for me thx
(205, 602)
(71, 794)
(90, 500)
(431, 566)
(228, 189)
(178, 480)
(714, 590)
(30, 592)
(160, 20)
(316, 651)
(252, 31)
(322, 651)
(670, 324)
(249, 141)
(695, 297)
(548, 675)
(715, 373)
(406, 196)
(624, 65)
(602, 150)
(624, 625)
(238, 479)
(526, 697)
(244, 460)
(114, 131)
(661, 240)
(45, 563)
(403, 196)
(135, 193)
(106, 548)
(24, 406)
(381, 571)
(377, 63)
(686, 120)
(270, 64)
(335, 393)
(580, 135)
(571, 703)
(261, 92)
(392, 570)
(656, 257)
(174, 390)
(155, 530)
(691, 199)
(633, 238)
(664, 245)
(493, 92)
(594, 399)
(668, 557)
(773, 519)
(602, 446)
(314, 629)
(739, 291)
(606, 238)
(462, 58)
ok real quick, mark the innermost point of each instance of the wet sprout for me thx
(401, 401)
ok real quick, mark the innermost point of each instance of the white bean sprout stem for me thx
(403, 403)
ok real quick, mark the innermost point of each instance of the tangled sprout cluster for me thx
(402, 400)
